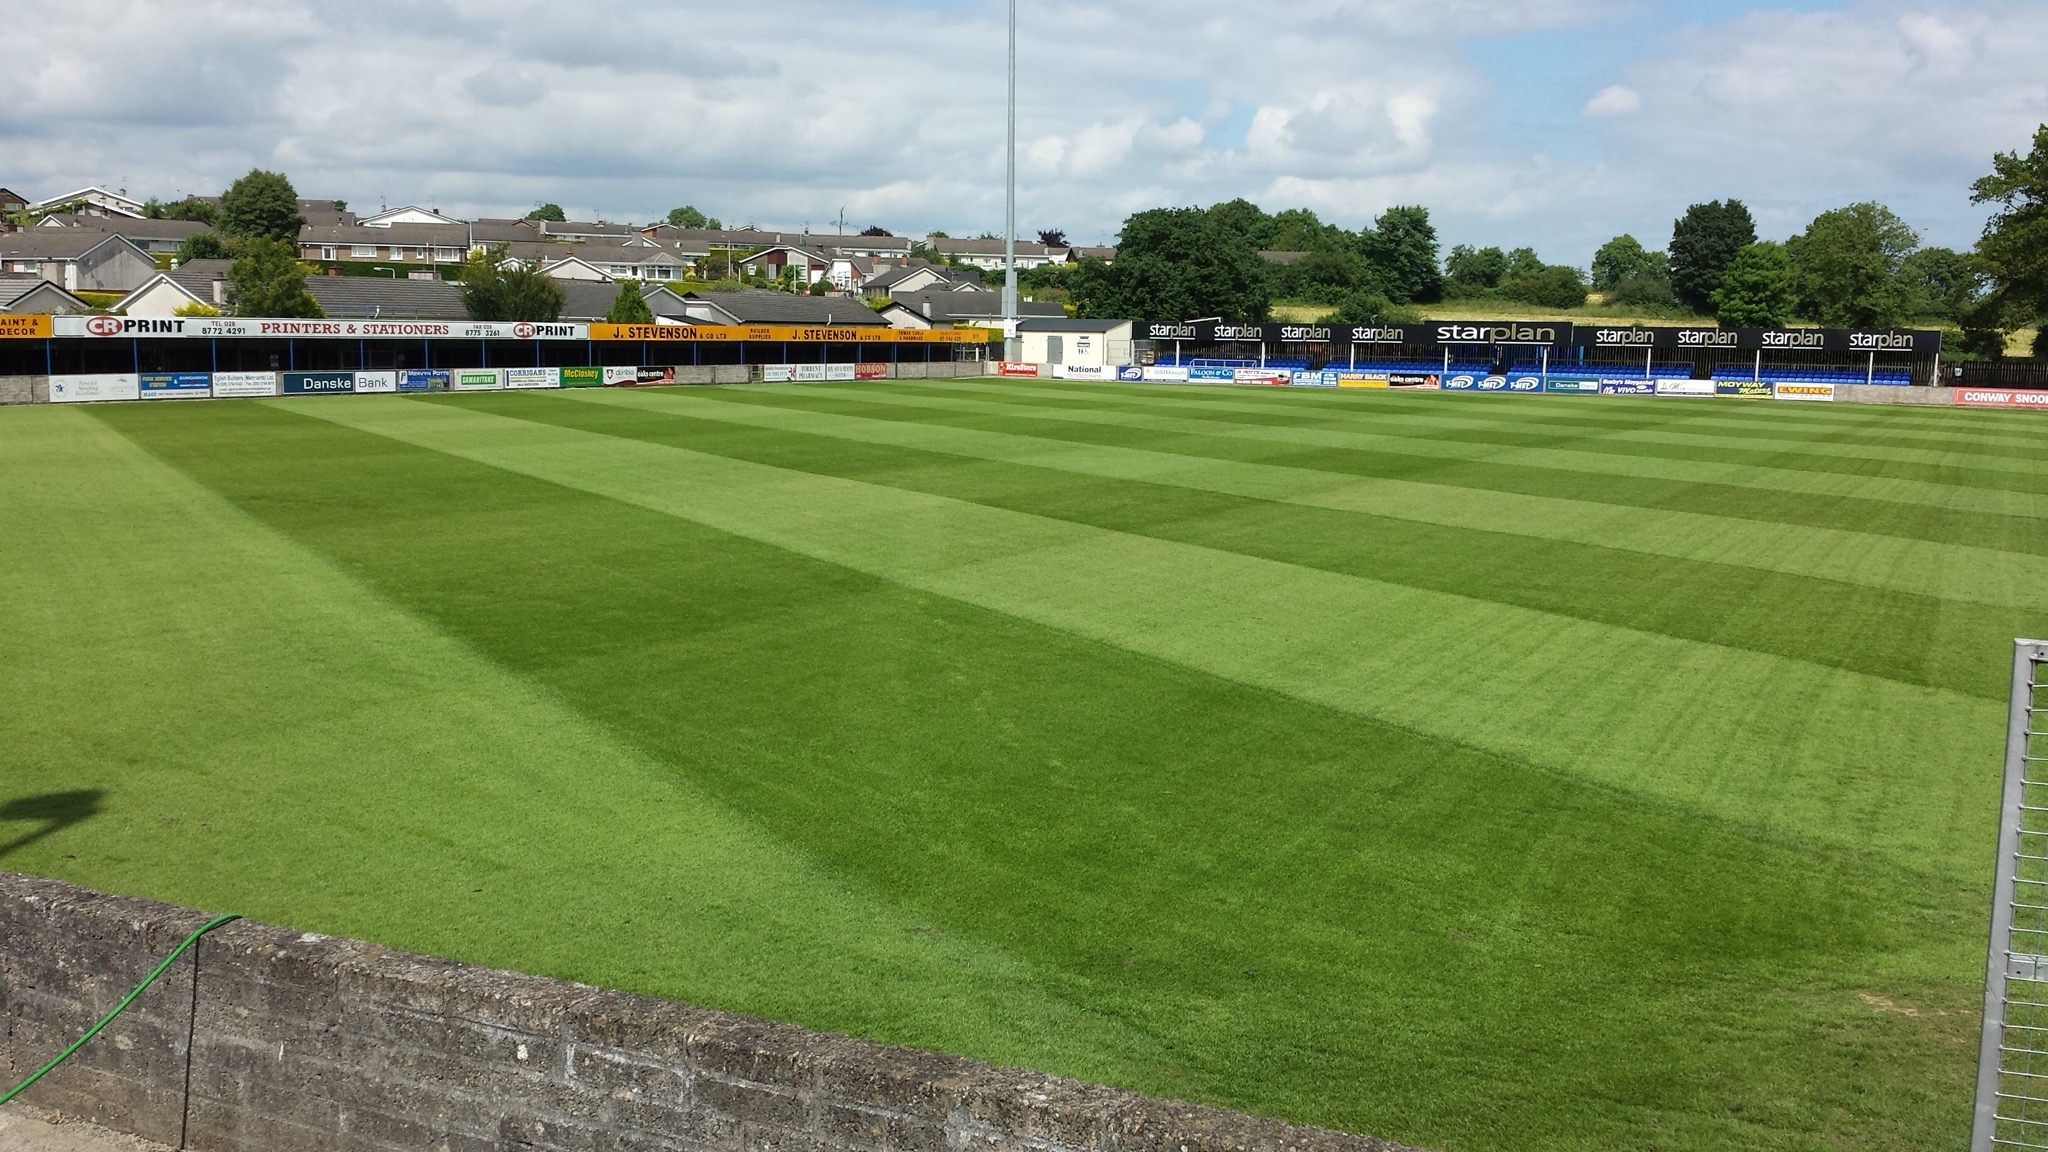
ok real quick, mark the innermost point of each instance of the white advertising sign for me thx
(1685, 388)
(246, 384)
(778, 373)
(810, 372)
(475, 379)
(125, 327)
(1166, 374)
(101, 386)
(527, 378)
(838, 371)
(376, 381)
(613, 377)
(1083, 372)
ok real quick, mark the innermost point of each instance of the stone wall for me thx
(24, 389)
(298, 1041)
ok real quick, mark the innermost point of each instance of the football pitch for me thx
(1480, 772)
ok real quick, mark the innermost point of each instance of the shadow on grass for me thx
(55, 811)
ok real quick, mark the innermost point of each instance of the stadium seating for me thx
(1786, 374)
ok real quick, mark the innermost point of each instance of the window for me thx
(447, 254)
(363, 251)
(327, 252)
(28, 266)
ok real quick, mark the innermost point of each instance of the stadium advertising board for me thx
(475, 379)
(1165, 374)
(582, 377)
(175, 386)
(1967, 397)
(778, 373)
(653, 376)
(226, 384)
(252, 326)
(810, 373)
(1499, 332)
(1412, 379)
(376, 381)
(1276, 377)
(1084, 372)
(94, 386)
(1213, 373)
(839, 372)
(532, 377)
(1493, 384)
(1310, 378)
(1131, 373)
(1571, 386)
(786, 334)
(1749, 389)
(1460, 382)
(1616, 386)
(1686, 388)
(1803, 391)
(423, 380)
(1349, 379)
(1015, 368)
(870, 370)
(25, 326)
(316, 383)
(615, 377)
(1525, 384)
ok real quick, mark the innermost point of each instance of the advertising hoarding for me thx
(1617, 386)
(810, 373)
(840, 372)
(228, 384)
(176, 386)
(778, 373)
(1324, 378)
(1267, 376)
(532, 377)
(1083, 372)
(94, 386)
(1347, 379)
(316, 383)
(615, 377)
(1015, 368)
(1803, 391)
(423, 380)
(376, 381)
(1686, 388)
(475, 379)
(870, 370)
(1748, 389)
(1573, 387)
(582, 377)
(1967, 397)
(653, 376)
(1165, 374)
(25, 326)
(1525, 384)
(1460, 382)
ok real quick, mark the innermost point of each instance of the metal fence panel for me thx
(2012, 1065)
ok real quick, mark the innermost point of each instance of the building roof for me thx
(398, 215)
(381, 297)
(763, 307)
(1064, 324)
(503, 231)
(12, 201)
(945, 304)
(133, 228)
(1104, 253)
(94, 194)
(38, 294)
(594, 230)
(59, 243)
(404, 235)
(595, 253)
(954, 246)
(591, 299)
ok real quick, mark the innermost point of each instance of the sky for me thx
(1549, 123)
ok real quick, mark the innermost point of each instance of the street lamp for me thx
(1011, 342)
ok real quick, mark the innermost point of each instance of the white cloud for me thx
(1614, 100)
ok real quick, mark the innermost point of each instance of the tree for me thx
(269, 281)
(1628, 274)
(688, 217)
(492, 292)
(1244, 218)
(1176, 263)
(1703, 242)
(1546, 285)
(204, 246)
(261, 205)
(1473, 270)
(1401, 252)
(1053, 237)
(1943, 283)
(876, 230)
(2014, 246)
(629, 306)
(1757, 288)
(550, 212)
(190, 208)
(1848, 263)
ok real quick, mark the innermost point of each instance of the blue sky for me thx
(1551, 123)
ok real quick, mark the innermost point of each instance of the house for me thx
(152, 236)
(591, 300)
(988, 253)
(763, 307)
(918, 277)
(409, 214)
(488, 231)
(387, 298)
(894, 249)
(1086, 343)
(94, 201)
(35, 294)
(809, 264)
(638, 260)
(399, 243)
(76, 258)
(11, 202)
(193, 282)
(575, 230)
(1106, 254)
(953, 308)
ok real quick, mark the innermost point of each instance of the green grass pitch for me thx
(1499, 773)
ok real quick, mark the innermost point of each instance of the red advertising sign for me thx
(2001, 398)
(1015, 368)
(870, 370)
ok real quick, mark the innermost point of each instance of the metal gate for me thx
(2012, 1064)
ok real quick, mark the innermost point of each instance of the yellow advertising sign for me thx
(785, 334)
(1361, 380)
(25, 326)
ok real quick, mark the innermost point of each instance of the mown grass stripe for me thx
(1942, 571)
(1840, 757)
(1954, 498)
(1955, 467)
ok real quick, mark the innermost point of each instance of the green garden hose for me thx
(93, 1031)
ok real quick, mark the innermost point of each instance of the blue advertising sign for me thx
(423, 380)
(1130, 372)
(176, 386)
(1629, 387)
(1325, 378)
(1525, 384)
(1571, 385)
(1494, 384)
(1460, 382)
(1209, 373)
(318, 383)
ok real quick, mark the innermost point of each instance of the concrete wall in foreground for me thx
(299, 1041)
(24, 389)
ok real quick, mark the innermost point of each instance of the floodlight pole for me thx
(1011, 350)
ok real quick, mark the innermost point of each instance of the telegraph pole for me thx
(1011, 344)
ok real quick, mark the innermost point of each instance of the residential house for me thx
(638, 260)
(153, 236)
(408, 214)
(193, 282)
(917, 277)
(387, 298)
(809, 264)
(35, 294)
(591, 300)
(764, 307)
(1106, 254)
(986, 253)
(398, 243)
(953, 308)
(76, 258)
(94, 201)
